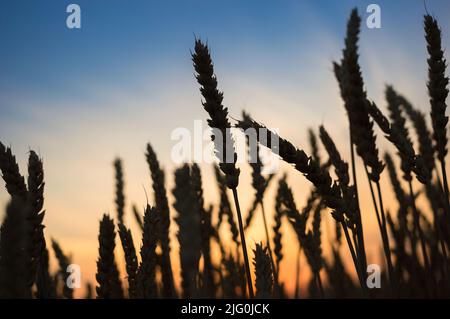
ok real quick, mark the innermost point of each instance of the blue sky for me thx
(82, 97)
(120, 43)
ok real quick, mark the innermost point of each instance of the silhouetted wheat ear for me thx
(212, 104)
(313, 248)
(348, 74)
(109, 285)
(223, 142)
(313, 242)
(287, 204)
(131, 261)
(63, 262)
(298, 221)
(437, 84)
(14, 252)
(15, 183)
(341, 170)
(120, 193)
(36, 182)
(279, 213)
(146, 278)
(259, 184)
(37, 240)
(263, 272)
(207, 231)
(398, 123)
(426, 149)
(335, 157)
(401, 142)
(399, 135)
(438, 92)
(162, 206)
(321, 179)
(189, 228)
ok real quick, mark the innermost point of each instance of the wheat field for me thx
(413, 239)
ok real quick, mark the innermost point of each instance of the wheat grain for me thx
(426, 149)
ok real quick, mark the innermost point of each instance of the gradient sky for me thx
(82, 97)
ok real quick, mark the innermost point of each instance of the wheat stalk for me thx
(189, 228)
(224, 148)
(259, 184)
(162, 205)
(130, 258)
(263, 272)
(109, 285)
(225, 207)
(39, 266)
(207, 231)
(146, 275)
(438, 91)
(279, 213)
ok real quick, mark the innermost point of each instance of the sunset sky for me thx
(80, 98)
